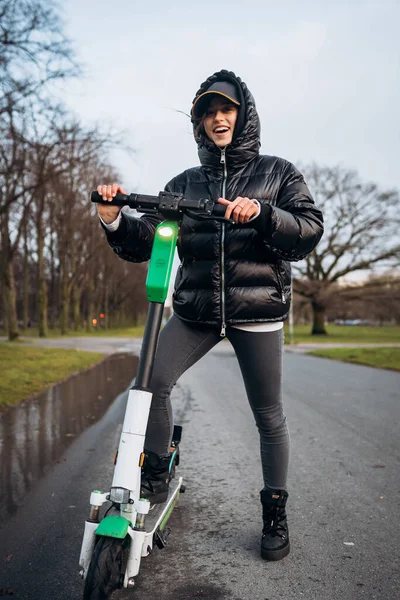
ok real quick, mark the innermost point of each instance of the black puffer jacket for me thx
(234, 273)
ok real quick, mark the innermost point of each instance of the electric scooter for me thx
(114, 544)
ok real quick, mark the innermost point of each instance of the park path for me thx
(343, 506)
(109, 345)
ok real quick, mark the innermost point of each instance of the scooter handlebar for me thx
(204, 207)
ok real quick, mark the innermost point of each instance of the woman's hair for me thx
(199, 125)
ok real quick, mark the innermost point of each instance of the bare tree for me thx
(33, 53)
(361, 231)
(33, 50)
(49, 236)
(375, 300)
(81, 149)
(13, 177)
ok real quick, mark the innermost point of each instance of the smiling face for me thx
(219, 121)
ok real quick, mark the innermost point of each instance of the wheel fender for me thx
(113, 526)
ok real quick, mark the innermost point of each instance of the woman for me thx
(234, 281)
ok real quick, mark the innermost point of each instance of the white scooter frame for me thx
(135, 518)
(127, 475)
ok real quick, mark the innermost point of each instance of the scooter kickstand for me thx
(160, 537)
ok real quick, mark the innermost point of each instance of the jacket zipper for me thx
(280, 283)
(223, 193)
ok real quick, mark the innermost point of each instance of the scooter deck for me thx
(160, 513)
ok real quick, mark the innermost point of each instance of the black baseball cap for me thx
(222, 88)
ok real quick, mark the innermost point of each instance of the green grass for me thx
(381, 358)
(25, 371)
(302, 334)
(346, 335)
(116, 332)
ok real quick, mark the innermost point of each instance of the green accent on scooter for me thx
(162, 257)
(113, 526)
(171, 462)
(164, 522)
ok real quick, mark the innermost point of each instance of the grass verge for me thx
(55, 333)
(25, 371)
(302, 334)
(381, 358)
(346, 335)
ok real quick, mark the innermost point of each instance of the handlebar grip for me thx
(219, 210)
(118, 200)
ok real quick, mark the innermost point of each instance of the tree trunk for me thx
(64, 303)
(64, 288)
(42, 284)
(76, 300)
(318, 327)
(3, 297)
(42, 308)
(106, 307)
(7, 279)
(90, 304)
(10, 297)
(25, 292)
(52, 290)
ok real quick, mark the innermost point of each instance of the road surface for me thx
(344, 486)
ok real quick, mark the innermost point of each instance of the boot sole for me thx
(275, 554)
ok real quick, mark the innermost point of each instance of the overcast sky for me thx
(325, 76)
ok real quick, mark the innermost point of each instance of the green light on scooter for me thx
(166, 231)
(162, 257)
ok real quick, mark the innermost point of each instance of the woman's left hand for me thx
(240, 210)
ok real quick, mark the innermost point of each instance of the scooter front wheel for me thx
(107, 568)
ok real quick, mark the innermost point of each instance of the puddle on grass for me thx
(34, 434)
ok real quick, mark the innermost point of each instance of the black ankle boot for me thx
(275, 539)
(155, 478)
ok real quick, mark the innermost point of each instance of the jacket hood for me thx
(246, 139)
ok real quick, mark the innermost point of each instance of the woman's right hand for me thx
(109, 213)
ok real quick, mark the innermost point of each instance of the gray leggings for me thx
(260, 360)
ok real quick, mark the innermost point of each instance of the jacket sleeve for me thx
(293, 227)
(133, 240)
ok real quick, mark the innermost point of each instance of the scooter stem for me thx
(149, 346)
(157, 284)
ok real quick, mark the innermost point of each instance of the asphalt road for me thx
(110, 345)
(344, 508)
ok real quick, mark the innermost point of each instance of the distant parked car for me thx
(353, 322)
